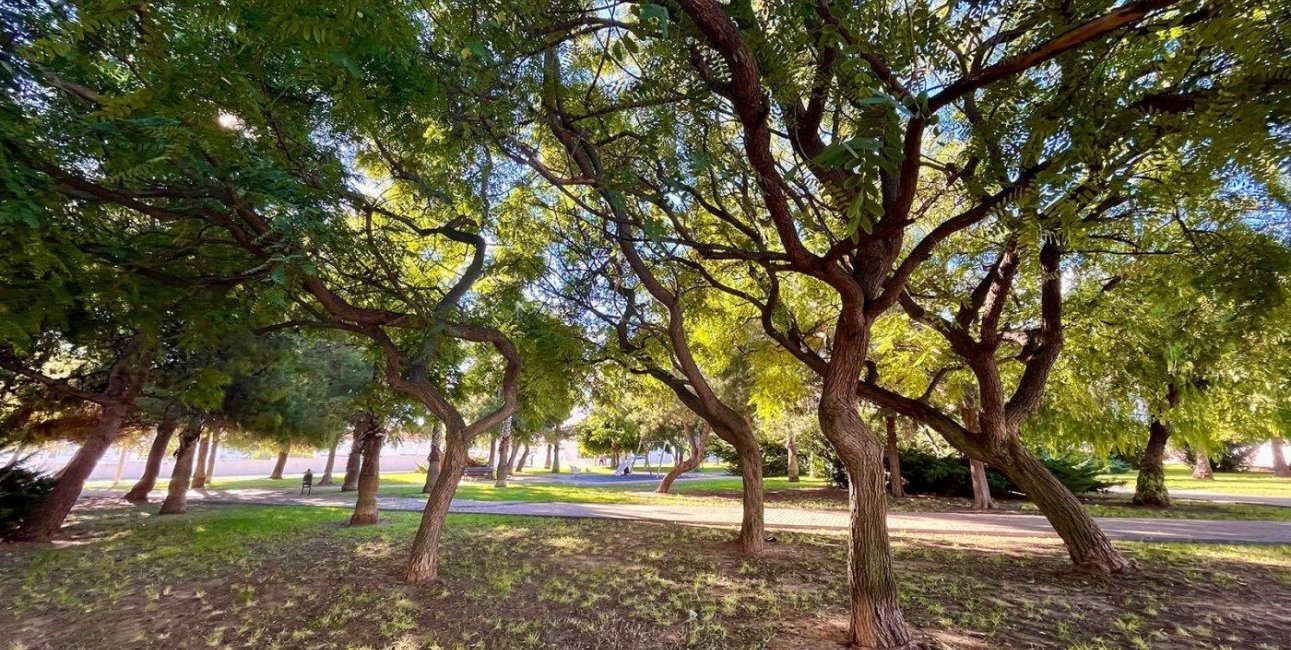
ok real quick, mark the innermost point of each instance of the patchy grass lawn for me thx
(1252, 483)
(282, 577)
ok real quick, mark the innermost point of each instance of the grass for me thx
(1253, 483)
(265, 577)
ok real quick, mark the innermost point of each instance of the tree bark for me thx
(981, 486)
(1150, 489)
(555, 456)
(524, 458)
(505, 457)
(546, 463)
(698, 441)
(1088, 546)
(156, 454)
(434, 460)
(791, 448)
(365, 509)
(44, 524)
(331, 463)
(493, 456)
(354, 461)
(423, 564)
(282, 461)
(1201, 469)
(875, 619)
(199, 471)
(895, 483)
(121, 465)
(210, 458)
(1279, 460)
(176, 502)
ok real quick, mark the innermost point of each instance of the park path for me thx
(914, 524)
(1216, 497)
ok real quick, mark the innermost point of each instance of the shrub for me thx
(21, 491)
(775, 458)
(1232, 457)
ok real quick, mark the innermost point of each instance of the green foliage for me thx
(775, 457)
(22, 490)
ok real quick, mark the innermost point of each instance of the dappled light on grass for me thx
(291, 576)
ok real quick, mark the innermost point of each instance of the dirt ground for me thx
(278, 577)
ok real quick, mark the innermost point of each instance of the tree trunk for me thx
(1150, 489)
(1088, 546)
(524, 458)
(505, 456)
(1279, 460)
(875, 614)
(210, 458)
(698, 443)
(354, 461)
(433, 461)
(331, 463)
(282, 461)
(365, 509)
(555, 456)
(423, 564)
(199, 471)
(493, 456)
(791, 447)
(895, 483)
(121, 465)
(981, 486)
(156, 454)
(176, 502)
(44, 524)
(1202, 469)
(546, 464)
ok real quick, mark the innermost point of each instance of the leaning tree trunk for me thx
(698, 443)
(1201, 469)
(1088, 546)
(504, 456)
(895, 483)
(875, 619)
(433, 461)
(423, 564)
(331, 463)
(791, 448)
(176, 502)
(546, 464)
(44, 524)
(354, 462)
(1279, 460)
(524, 458)
(210, 458)
(199, 471)
(365, 509)
(121, 465)
(156, 454)
(282, 461)
(1150, 489)
(981, 486)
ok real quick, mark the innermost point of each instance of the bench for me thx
(476, 472)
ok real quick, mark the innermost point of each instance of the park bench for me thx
(476, 472)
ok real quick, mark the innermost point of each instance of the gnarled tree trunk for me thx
(1201, 469)
(156, 454)
(354, 461)
(1150, 489)
(505, 457)
(199, 470)
(44, 524)
(210, 457)
(279, 466)
(1279, 460)
(698, 441)
(434, 460)
(180, 478)
(555, 456)
(895, 483)
(365, 509)
(981, 486)
(1088, 546)
(423, 564)
(331, 463)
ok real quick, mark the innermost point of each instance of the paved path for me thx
(1217, 497)
(929, 523)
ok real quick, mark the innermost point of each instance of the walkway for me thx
(1217, 497)
(917, 524)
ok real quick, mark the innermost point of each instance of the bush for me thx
(949, 476)
(1232, 457)
(775, 458)
(21, 491)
